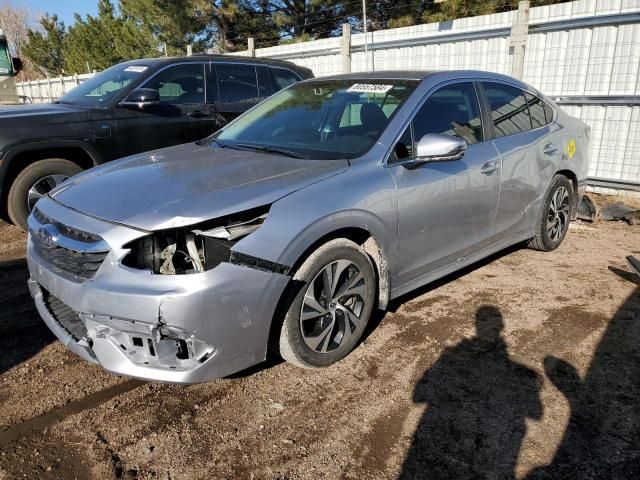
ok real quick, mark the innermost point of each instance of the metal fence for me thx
(585, 54)
(49, 89)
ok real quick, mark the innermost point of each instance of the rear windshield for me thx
(322, 119)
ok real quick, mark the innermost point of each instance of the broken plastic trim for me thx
(244, 260)
(196, 249)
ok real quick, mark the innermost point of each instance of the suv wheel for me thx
(33, 183)
(330, 312)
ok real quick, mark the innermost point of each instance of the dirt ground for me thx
(525, 366)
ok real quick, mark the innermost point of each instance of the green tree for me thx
(96, 43)
(45, 48)
(174, 23)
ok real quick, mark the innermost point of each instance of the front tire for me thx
(34, 182)
(553, 222)
(329, 314)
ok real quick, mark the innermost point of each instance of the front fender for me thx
(364, 197)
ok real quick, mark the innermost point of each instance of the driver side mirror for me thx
(436, 147)
(141, 97)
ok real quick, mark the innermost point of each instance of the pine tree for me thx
(45, 48)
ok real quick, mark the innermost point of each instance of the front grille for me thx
(75, 252)
(69, 232)
(66, 317)
(80, 264)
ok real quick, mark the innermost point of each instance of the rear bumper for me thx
(167, 328)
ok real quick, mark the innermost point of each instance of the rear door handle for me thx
(489, 167)
(550, 149)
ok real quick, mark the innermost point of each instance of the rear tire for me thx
(329, 314)
(37, 179)
(555, 215)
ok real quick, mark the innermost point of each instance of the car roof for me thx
(162, 61)
(420, 75)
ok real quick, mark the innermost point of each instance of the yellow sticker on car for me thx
(571, 148)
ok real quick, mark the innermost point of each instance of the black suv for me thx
(129, 108)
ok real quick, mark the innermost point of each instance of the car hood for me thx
(187, 184)
(37, 110)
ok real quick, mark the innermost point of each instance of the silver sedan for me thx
(289, 226)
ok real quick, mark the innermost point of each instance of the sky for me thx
(63, 8)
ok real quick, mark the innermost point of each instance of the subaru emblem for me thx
(49, 235)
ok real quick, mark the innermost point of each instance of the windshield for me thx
(98, 90)
(320, 119)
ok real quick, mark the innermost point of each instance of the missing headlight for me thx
(194, 250)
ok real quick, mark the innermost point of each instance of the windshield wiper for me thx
(268, 149)
(219, 143)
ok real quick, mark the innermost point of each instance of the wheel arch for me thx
(371, 244)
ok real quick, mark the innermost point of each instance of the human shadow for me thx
(22, 332)
(602, 438)
(477, 401)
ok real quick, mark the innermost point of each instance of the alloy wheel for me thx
(558, 216)
(332, 306)
(42, 187)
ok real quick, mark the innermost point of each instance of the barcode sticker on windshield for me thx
(369, 88)
(136, 68)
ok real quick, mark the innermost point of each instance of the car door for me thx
(446, 209)
(237, 88)
(525, 142)
(182, 115)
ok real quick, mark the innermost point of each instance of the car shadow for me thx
(22, 332)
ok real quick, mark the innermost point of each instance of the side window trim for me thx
(485, 111)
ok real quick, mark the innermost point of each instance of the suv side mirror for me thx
(142, 97)
(436, 147)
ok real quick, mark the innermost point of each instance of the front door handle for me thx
(550, 149)
(489, 167)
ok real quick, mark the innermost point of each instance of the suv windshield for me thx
(321, 119)
(98, 90)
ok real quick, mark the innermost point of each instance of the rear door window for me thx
(237, 83)
(509, 110)
(283, 77)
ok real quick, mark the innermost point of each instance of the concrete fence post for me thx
(251, 47)
(345, 48)
(519, 34)
(189, 50)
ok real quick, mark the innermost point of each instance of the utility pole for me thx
(366, 39)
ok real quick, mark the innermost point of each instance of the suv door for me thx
(182, 116)
(446, 209)
(527, 150)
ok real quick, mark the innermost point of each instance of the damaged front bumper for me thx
(168, 328)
